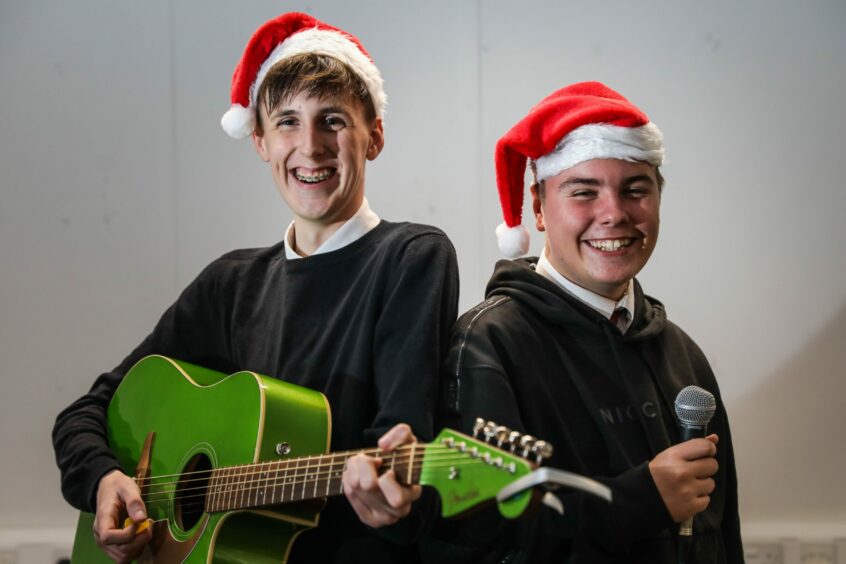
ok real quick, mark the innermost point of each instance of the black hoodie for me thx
(535, 359)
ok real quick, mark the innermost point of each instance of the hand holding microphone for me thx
(683, 473)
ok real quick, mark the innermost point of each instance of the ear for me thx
(260, 145)
(537, 207)
(377, 140)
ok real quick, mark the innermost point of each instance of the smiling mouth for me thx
(314, 176)
(610, 245)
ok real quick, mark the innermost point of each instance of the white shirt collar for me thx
(352, 230)
(601, 304)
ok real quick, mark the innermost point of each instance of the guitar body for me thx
(203, 420)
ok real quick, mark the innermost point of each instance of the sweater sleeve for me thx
(419, 308)
(637, 512)
(192, 329)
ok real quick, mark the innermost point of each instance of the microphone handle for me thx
(688, 432)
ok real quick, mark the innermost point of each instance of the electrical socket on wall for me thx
(818, 554)
(763, 553)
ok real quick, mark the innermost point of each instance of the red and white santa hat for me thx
(281, 38)
(580, 122)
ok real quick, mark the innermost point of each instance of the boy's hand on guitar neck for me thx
(379, 500)
(118, 496)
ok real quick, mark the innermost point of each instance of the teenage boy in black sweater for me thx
(569, 349)
(353, 306)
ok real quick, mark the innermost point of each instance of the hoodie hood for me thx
(518, 280)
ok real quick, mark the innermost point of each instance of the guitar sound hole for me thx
(191, 491)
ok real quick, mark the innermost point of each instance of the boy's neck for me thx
(308, 236)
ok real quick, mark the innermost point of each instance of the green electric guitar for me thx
(233, 468)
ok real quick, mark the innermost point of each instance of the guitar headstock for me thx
(467, 471)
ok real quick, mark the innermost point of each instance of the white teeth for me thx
(610, 244)
(320, 176)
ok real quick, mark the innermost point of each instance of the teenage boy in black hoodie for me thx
(353, 306)
(569, 349)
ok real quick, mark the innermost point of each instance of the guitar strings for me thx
(236, 481)
(231, 499)
(274, 467)
(346, 454)
(237, 498)
(241, 489)
(419, 449)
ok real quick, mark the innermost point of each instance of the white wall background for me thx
(118, 186)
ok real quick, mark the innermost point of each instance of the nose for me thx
(311, 142)
(612, 210)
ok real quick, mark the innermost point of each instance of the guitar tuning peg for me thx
(542, 450)
(526, 442)
(478, 426)
(513, 440)
(501, 435)
(489, 430)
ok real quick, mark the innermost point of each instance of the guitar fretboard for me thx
(299, 479)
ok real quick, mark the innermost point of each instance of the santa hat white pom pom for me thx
(239, 121)
(513, 241)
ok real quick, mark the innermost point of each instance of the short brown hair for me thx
(317, 75)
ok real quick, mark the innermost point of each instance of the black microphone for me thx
(694, 409)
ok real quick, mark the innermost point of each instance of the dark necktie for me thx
(619, 318)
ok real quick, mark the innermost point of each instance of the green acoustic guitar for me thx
(233, 468)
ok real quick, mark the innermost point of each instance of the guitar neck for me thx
(300, 479)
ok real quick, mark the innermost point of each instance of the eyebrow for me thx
(334, 110)
(580, 181)
(281, 113)
(322, 111)
(589, 181)
(638, 178)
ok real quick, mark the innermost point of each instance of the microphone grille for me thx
(695, 406)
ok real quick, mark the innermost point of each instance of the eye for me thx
(583, 193)
(286, 121)
(637, 191)
(334, 122)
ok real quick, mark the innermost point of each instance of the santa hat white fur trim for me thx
(513, 241)
(238, 121)
(603, 141)
(333, 44)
